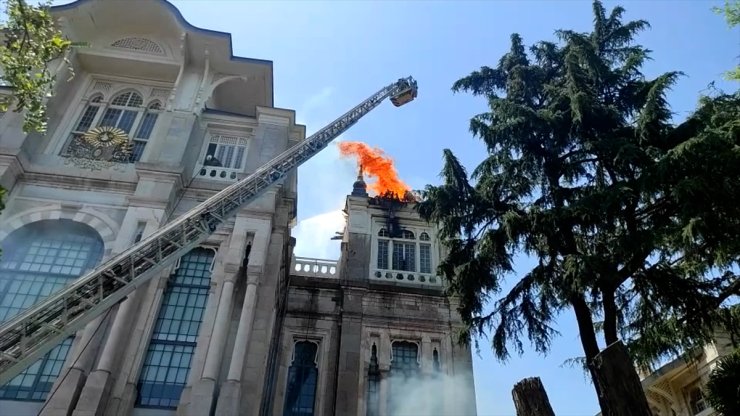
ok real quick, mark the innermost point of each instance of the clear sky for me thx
(328, 56)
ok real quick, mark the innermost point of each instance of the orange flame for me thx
(377, 165)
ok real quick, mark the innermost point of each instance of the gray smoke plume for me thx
(440, 395)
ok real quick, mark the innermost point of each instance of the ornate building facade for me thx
(677, 387)
(159, 116)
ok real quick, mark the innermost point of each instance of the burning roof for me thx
(376, 165)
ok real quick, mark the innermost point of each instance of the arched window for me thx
(300, 394)
(145, 129)
(401, 253)
(89, 115)
(122, 111)
(126, 112)
(167, 361)
(403, 374)
(38, 260)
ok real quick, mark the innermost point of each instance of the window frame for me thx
(24, 265)
(157, 347)
(689, 391)
(404, 374)
(67, 135)
(223, 134)
(316, 369)
(422, 237)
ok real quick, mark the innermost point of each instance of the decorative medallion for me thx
(99, 148)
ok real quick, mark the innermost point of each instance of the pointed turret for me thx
(359, 188)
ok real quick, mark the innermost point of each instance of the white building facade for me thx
(238, 326)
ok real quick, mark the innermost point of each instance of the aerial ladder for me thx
(32, 333)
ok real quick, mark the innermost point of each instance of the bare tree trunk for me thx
(620, 385)
(530, 398)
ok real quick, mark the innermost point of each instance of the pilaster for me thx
(230, 394)
(350, 360)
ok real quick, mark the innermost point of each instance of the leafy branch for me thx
(31, 41)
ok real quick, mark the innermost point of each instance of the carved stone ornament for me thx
(100, 148)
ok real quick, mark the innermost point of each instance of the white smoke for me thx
(439, 395)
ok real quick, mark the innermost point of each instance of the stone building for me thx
(159, 116)
(676, 388)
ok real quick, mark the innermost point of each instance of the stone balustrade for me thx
(310, 267)
(405, 277)
(218, 173)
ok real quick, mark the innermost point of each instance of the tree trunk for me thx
(588, 341)
(530, 398)
(620, 386)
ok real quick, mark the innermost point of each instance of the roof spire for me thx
(359, 188)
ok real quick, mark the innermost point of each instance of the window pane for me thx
(300, 393)
(167, 363)
(382, 254)
(147, 126)
(38, 260)
(127, 120)
(87, 118)
(404, 371)
(425, 258)
(110, 117)
(404, 256)
(239, 157)
(137, 150)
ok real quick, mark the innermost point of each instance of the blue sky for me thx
(328, 56)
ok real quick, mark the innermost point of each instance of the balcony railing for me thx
(218, 173)
(405, 277)
(306, 266)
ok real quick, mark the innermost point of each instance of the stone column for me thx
(95, 393)
(202, 396)
(72, 378)
(229, 397)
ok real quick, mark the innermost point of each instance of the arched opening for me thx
(237, 96)
(38, 260)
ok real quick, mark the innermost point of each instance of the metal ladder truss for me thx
(34, 332)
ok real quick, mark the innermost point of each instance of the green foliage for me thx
(31, 42)
(731, 11)
(723, 388)
(632, 221)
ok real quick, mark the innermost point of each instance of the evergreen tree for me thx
(633, 223)
(723, 388)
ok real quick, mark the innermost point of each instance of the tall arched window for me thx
(300, 395)
(126, 112)
(38, 260)
(167, 361)
(403, 375)
(145, 129)
(425, 253)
